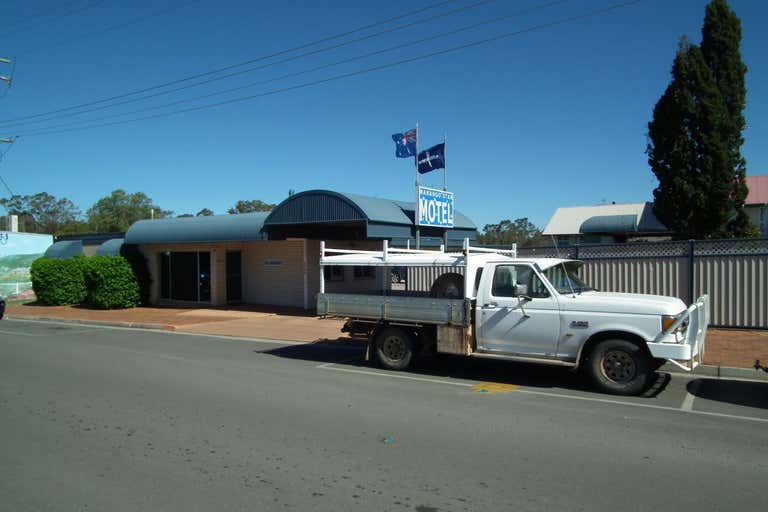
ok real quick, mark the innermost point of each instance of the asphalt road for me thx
(98, 419)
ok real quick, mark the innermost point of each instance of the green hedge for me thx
(110, 283)
(58, 281)
(103, 282)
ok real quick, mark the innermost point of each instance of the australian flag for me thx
(405, 144)
(432, 158)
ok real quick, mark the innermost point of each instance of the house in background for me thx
(756, 204)
(605, 223)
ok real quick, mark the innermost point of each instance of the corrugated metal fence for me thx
(733, 272)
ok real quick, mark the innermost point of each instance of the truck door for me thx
(517, 313)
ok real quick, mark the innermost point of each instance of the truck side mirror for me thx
(521, 290)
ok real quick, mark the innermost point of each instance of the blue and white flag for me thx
(405, 144)
(432, 158)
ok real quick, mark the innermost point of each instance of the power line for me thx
(55, 18)
(112, 28)
(40, 13)
(411, 43)
(453, 49)
(237, 65)
(264, 66)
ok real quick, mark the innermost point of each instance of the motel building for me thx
(273, 257)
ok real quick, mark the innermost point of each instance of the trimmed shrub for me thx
(58, 281)
(110, 283)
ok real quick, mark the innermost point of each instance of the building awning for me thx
(609, 219)
(317, 213)
(64, 249)
(609, 224)
(242, 227)
(110, 247)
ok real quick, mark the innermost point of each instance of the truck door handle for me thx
(490, 305)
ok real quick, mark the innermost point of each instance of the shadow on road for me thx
(351, 353)
(749, 394)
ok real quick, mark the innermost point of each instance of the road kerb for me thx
(79, 321)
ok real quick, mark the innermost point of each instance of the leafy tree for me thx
(117, 211)
(694, 138)
(205, 212)
(520, 231)
(255, 205)
(75, 228)
(42, 212)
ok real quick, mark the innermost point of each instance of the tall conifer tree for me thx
(694, 139)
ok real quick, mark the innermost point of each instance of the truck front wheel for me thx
(394, 348)
(620, 367)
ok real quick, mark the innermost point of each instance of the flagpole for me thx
(416, 207)
(445, 162)
(445, 181)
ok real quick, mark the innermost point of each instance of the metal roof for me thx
(325, 206)
(110, 247)
(607, 218)
(90, 238)
(758, 190)
(64, 249)
(215, 228)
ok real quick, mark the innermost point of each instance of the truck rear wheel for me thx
(394, 348)
(620, 367)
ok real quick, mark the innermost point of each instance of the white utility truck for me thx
(520, 309)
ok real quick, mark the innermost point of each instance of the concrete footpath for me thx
(263, 322)
(730, 352)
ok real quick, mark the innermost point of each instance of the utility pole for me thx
(7, 79)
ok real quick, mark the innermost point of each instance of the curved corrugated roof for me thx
(625, 218)
(215, 228)
(110, 247)
(64, 249)
(319, 206)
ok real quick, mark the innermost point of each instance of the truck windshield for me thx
(564, 277)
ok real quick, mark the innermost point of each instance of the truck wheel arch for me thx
(596, 338)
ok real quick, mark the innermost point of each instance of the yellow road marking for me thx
(494, 387)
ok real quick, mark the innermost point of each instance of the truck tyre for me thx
(394, 348)
(448, 286)
(620, 367)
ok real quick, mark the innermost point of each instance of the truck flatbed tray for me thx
(408, 308)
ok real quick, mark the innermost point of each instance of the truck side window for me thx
(504, 280)
(507, 277)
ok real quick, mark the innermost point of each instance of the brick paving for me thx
(725, 347)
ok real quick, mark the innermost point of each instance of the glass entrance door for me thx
(185, 276)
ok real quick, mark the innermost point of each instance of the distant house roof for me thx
(214, 228)
(628, 218)
(758, 189)
(379, 218)
(64, 249)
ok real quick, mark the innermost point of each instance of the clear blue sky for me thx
(549, 118)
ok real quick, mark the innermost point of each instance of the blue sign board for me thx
(435, 208)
